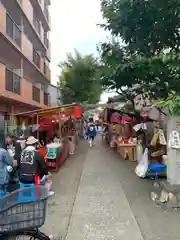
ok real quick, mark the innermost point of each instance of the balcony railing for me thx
(46, 99)
(13, 82)
(36, 94)
(12, 30)
(36, 58)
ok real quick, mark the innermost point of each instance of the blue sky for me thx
(74, 25)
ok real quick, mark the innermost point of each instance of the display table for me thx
(127, 149)
(53, 155)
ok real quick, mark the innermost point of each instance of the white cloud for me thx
(73, 25)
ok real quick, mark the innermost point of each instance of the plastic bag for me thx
(142, 167)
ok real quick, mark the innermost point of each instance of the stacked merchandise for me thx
(153, 161)
(157, 166)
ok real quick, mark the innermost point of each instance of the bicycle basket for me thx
(18, 213)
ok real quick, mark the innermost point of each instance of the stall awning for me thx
(69, 109)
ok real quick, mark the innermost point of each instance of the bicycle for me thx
(22, 213)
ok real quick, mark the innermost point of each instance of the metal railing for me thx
(12, 30)
(36, 94)
(13, 82)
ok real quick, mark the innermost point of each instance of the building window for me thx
(36, 58)
(12, 30)
(36, 94)
(46, 98)
(13, 82)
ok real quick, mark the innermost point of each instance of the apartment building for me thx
(24, 55)
(54, 92)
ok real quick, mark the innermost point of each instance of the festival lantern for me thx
(78, 111)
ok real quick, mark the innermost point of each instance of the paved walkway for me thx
(101, 209)
(98, 196)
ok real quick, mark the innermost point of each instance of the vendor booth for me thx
(127, 133)
(55, 129)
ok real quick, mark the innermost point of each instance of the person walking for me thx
(91, 132)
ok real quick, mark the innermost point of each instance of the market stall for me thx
(122, 135)
(55, 128)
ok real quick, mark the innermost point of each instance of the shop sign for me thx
(174, 140)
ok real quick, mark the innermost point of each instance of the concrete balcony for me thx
(17, 39)
(27, 48)
(2, 19)
(47, 72)
(15, 88)
(34, 57)
(42, 11)
(9, 28)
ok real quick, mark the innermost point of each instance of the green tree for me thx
(148, 60)
(80, 79)
(147, 27)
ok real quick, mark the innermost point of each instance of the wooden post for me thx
(60, 134)
(37, 122)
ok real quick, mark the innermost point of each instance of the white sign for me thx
(174, 140)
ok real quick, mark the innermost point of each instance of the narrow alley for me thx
(98, 196)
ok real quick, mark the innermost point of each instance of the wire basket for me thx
(23, 209)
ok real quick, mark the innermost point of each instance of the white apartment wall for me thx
(55, 95)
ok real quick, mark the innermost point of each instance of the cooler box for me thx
(53, 151)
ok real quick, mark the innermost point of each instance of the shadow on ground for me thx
(65, 185)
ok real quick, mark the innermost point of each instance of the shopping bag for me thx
(142, 167)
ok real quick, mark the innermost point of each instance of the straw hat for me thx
(31, 140)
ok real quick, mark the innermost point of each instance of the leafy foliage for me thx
(148, 61)
(80, 79)
(147, 26)
(172, 104)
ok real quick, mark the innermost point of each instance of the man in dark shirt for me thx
(32, 163)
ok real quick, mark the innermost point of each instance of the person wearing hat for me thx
(32, 163)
